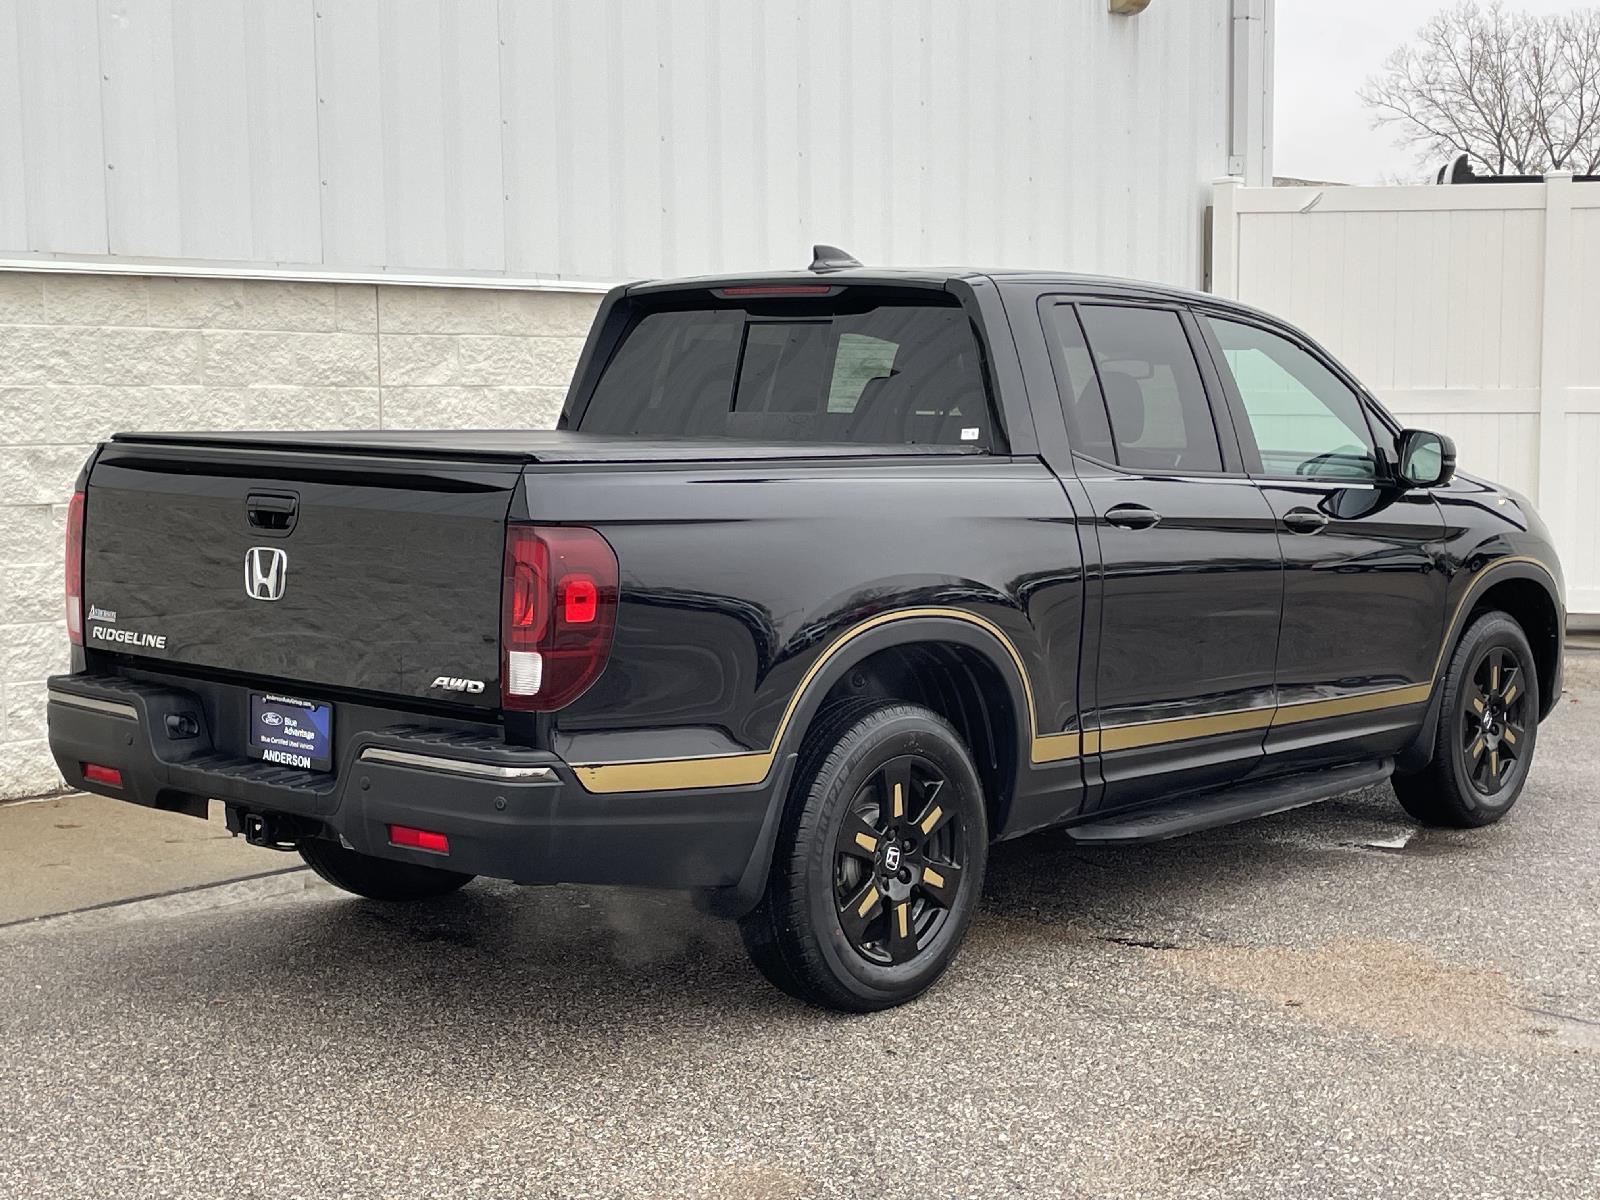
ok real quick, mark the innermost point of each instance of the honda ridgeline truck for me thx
(825, 581)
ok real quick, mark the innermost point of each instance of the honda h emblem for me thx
(266, 570)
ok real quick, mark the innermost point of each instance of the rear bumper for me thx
(509, 812)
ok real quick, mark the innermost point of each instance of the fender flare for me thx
(914, 627)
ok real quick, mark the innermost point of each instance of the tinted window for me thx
(895, 373)
(1160, 419)
(1081, 403)
(1304, 419)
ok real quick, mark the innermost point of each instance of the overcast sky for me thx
(1325, 51)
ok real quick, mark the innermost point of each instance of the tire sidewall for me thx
(891, 735)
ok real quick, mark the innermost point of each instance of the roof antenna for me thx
(831, 258)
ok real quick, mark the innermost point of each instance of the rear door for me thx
(319, 570)
(1190, 572)
(1364, 595)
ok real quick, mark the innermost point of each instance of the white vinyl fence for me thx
(1473, 310)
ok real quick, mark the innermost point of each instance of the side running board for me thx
(1243, 802)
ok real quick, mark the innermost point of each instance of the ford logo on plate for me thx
(271, 718)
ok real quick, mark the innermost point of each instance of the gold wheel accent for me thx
(867, 903)
(1476, 749)
(932, 819)
(902, 916)
(932, 877)
(899, 802)
(869, 844)
(1510, 736)
(1477, 704)
(1494, 763)
(1511, 694)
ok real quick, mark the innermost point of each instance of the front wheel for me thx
(879, 861)
(378, 878)
(1488, 728)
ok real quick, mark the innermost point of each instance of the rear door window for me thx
(1155, 399)
(894, 373)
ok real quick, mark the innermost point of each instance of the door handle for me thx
(1305, 520)
(1132, 516)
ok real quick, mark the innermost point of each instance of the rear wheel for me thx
(378, 878)
(1488, 728)
(879, 860)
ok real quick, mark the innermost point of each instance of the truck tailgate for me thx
(304, 566)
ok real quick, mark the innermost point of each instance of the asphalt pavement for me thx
(1325, 1003)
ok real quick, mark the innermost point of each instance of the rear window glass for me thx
(890, 374)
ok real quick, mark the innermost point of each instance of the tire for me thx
(378, 878)
(1488, 730)
(867, 903)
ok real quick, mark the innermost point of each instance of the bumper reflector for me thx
(109, 776)
(418, 839)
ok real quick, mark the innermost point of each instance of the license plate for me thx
(293, 733)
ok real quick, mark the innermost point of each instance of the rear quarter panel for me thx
(735, 578)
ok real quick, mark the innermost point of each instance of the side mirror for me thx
(1426, 459)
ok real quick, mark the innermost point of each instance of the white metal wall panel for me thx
(58, 70)
(281, 122)
(140, 112)
(210, 74)
(597, 139)
(13, 183)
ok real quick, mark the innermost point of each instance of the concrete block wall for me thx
(83, 356)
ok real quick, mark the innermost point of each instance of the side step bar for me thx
(1243, 802)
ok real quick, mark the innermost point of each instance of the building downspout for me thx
(1250, 92)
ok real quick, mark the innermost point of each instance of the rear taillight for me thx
(559, 604)
(74, 574)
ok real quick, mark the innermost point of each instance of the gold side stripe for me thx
(744, 770)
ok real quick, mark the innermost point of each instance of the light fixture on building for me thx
(1128, 8)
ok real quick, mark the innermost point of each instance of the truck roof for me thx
(940, 277)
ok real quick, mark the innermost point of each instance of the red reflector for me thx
(580, 599)
(418, 839)
(109, 776)
(787, 289)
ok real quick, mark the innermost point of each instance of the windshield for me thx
(894, 373)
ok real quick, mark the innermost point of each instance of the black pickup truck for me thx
(826, 581)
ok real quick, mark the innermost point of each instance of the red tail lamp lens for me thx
(418, 839)
(560, 612)
(109, 776)
(74, 573)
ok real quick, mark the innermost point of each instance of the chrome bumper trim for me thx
(457, 766)
(114, 708)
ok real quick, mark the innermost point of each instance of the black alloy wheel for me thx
(898, 862)
(1494, 721)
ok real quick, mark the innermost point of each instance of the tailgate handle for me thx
(272, 512)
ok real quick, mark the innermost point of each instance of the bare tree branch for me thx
(1516, 93)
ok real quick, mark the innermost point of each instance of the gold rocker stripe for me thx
(734, 770)
(743, 770)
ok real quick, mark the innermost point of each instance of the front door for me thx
(1180, 670)
(1364, 595)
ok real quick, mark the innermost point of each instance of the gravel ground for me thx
(1324, 1003)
